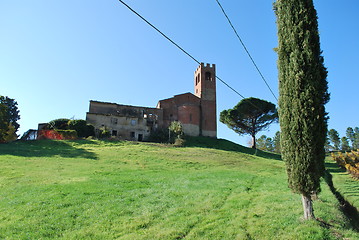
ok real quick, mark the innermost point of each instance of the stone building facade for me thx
(196, 112)
(123, 121)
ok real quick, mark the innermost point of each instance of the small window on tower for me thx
(208, 76)
(199, 77)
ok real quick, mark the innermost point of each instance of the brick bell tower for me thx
(205, 89)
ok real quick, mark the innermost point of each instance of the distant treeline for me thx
(333, 143)
(345, 143)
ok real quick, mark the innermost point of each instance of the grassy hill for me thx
(210, 189)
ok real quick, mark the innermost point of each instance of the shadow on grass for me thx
(223, 144)
(334, 167)
(46, 148)
(349, 210)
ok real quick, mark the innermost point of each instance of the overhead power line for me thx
(245, 48)
(179, 47)
(184, 51)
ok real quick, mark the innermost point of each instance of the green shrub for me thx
(68, 134)
(104, 133)
(8, 135)
(158, 136)
(179, 142)
(83, 129)
(176, 128)
(61, 123)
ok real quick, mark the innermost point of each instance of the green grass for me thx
(224, 144)
(344, 183)
(128, 190)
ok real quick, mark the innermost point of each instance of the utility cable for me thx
(245, 48)
(184, 51)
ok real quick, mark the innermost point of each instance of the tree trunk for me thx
(307, 207)
(254, 145)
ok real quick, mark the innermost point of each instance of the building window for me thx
(132, 134)
(208, 76)
(114, 133)
(133, 122)
(114, 120)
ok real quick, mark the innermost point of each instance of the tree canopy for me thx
(4, 125)
(353, 136)
(269, 144)
(12, 112)
(265, 143)
(344, 144)
(334, 139)
(9, 115)
(250, 116)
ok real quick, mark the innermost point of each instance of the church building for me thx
(196, 112)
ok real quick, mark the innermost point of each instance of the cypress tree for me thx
(303, 92)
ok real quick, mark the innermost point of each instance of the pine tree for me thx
(345, 144)
(356, 138)
(302, 96)
(261, 142)
(269, 145)
(334, 139)
(276, 142)
(265, 143)
(351, 136)
(250, 116)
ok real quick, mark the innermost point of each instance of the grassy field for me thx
(343, 182)
(128, 190)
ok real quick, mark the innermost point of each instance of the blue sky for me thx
(55, 56)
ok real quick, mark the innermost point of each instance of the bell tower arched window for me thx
(208, 76)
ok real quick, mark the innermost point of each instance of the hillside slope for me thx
(129, 190)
